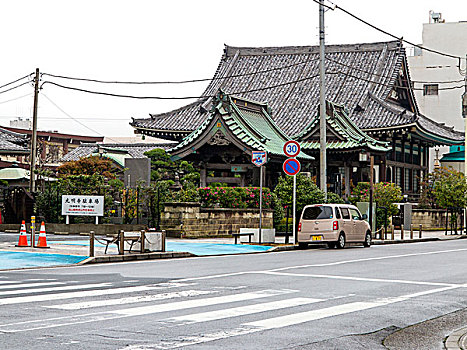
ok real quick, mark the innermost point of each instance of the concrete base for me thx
(268, 235)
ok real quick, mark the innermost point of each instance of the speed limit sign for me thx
(291, 148)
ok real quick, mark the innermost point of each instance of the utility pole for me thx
(32, 157)
(322, 104)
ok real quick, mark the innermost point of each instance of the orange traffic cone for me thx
(23, 238)
(42, 240)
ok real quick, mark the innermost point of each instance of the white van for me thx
(334, 224)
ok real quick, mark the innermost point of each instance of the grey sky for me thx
(165, 40)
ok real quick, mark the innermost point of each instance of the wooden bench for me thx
(236, 235)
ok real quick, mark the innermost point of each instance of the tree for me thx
(87, 166)
(449, 188)
(307, 192)
(385, 194)
(162, 167)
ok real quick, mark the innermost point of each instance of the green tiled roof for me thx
(453, 157)
(344, 134)
(247, 121)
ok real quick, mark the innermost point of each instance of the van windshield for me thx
(317, 213)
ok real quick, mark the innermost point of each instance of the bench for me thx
(116, 240)
(236, 235)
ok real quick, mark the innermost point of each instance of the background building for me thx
(438, 82)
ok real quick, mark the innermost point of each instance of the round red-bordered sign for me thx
(291, 166)
(291, 148)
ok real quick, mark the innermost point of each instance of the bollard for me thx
(402, 233)
(33, 231)
(163, 241)
(420, 231)
(393, 232)
(143, 239)
(411, 231)
(91, 243)
(121, 237)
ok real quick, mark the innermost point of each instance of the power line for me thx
(180, 81)
(210, 79)
(14, 99)
(384, 76)
(241, 92)
(14, 87)
(15, 81)
(68, 115)
(390, 34)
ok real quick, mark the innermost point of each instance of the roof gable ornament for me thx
(218, 139)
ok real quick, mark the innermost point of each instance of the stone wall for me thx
(190, 220)
(430, 218)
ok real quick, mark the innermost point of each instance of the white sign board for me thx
(83, 205)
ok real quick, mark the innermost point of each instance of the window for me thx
(355, 214)
(345, 213)
(338, 213)
(407, 174)
(317, 213)
(430, 89)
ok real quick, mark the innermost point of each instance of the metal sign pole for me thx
(260, 201)
(294, 235)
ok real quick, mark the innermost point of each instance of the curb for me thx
(134, 257)
(456, 340)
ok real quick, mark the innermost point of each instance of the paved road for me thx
(354, 298)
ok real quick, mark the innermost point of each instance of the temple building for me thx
(371, 110)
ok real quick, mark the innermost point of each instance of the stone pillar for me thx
(347, 169)
(202, 177)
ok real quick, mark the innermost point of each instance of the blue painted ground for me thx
(15, 260)
(197, 248)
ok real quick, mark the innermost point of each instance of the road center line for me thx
(319, 265)
(369, 259)
(363, 279)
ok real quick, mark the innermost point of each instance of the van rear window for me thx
(317, 213)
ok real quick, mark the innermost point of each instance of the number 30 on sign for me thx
(291, 148)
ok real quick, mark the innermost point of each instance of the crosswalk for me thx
(60, 303)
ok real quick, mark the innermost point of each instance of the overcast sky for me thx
(164, 40)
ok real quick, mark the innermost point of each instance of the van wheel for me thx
(341, 241)
(367, 241)
(302, 245)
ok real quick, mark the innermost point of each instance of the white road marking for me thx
(302, 317)
(370, 259)
(114, 314)
(29, 285)
(144, 310)
(102, 316)
(51, 289)
(72, 295)
(362, 279)
(9, 282)
(130, 300)
(283, 321)
(243, 310)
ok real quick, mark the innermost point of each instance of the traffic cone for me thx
(23, 238)
(42, 240)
